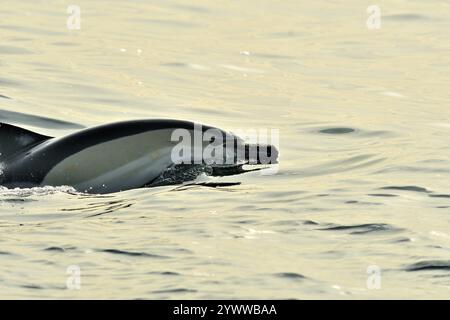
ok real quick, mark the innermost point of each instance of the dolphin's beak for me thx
(261, 154)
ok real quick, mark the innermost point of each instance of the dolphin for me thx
(118, 156)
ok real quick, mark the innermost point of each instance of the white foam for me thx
(41, 191)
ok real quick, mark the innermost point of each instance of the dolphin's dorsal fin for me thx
(14, 139)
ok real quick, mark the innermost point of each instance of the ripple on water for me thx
(168, 22)
(100, 208)
(337, 130)
(363, 203)
(290, 275)
(364, 228)
(13, 50)
(32, 286)
(133, 253)
(406, 17)
(33, 30)
(36, 121)
(165, 273)
(439, 195)
(175, 290)
(343, 165)
(55, 249)
(10, 83)
(429, 265)
(353, 132)
(406, 188)
(386, 195)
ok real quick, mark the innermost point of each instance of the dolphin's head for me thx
(214, 146)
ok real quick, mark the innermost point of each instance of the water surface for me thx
(364, 129)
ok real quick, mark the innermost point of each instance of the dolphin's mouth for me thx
(253, 155)
(181, 173)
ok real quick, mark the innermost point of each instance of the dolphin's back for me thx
(101, 159)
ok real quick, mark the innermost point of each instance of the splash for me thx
(39, 191)
(180, 173)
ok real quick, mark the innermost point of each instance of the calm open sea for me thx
(360, 207)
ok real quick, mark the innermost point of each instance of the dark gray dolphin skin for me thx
(102, 159)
